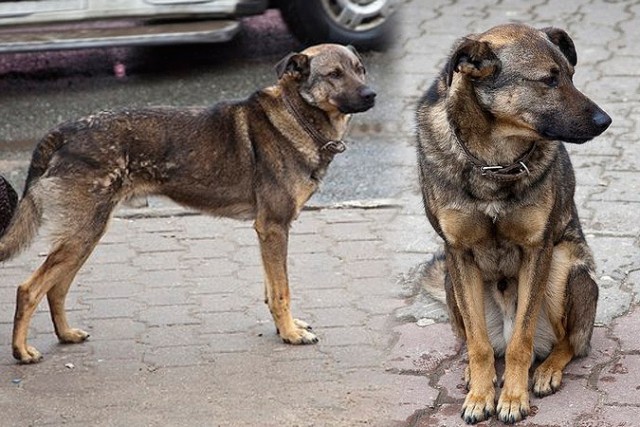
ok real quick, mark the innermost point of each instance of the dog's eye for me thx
(361, 70)
(335, 74)
(551, 81)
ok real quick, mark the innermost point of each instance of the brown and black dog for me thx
(498, 187)
(258, 159)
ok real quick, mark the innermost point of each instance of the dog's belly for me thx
(499, 261)
(500, 313)
(236, 204)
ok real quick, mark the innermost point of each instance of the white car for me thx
(34, 25)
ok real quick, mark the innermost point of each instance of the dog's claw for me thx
(302, 324)
(513, 407)
(546, 380)
(300, 336)
(478, 407)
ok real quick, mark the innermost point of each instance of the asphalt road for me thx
(40, 90)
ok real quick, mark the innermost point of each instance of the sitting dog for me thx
(498, 187)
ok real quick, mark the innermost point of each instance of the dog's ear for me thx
(354, 51)
(561, 39)
(295, 64)
(473, 58)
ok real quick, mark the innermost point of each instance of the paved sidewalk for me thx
(180, 335)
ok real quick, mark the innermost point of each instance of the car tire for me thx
(318, 21)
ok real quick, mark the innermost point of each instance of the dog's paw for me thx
(27, 355)
(73, 336)
(546, 380)
(478, 406)
(513, 406)
(300, 334)
(302, 324)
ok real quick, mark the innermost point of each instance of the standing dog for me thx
(498, 187)
(260, 158)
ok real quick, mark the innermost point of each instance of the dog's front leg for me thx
(466, 279)
(513, 404)
(274, 238)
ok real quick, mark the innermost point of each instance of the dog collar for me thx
(330, 145)
(512, 172)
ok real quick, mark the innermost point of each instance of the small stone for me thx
(16, 380)
(69, 365)
(425, 322)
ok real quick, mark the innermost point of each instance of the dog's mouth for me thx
(578, 132)
(364, 99)
(569, 139)
(356, 108)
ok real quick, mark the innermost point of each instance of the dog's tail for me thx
(432, 275)
(20, 225)
(42, 155)
(428, 278)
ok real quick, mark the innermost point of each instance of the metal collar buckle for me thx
(504, 169)
(334, 147)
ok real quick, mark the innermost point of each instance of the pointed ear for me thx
(474, 59)
(354, 51)
(295, 64)
(561, 39)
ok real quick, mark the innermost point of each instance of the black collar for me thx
(330, 145)
(513, 172)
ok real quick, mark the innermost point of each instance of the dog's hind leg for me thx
(53, 279)
(57, 295)
(578, 311)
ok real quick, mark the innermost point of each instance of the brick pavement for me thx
(173, 302)
(180, 334)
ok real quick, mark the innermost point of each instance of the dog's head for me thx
(330, 77)
(523, 77)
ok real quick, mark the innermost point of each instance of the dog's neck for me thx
(481, 137)
(324, 127)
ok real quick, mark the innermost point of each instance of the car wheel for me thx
(365, 24)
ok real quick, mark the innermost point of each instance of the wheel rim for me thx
(358, 15)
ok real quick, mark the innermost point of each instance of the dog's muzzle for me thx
(365, 99)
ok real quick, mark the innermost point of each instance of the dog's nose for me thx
(601, 120)
(367, 94)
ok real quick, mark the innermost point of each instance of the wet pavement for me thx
(173, 301)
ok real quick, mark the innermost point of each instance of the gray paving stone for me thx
(620, 381)
(168, 315)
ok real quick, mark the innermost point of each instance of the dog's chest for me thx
(492, 209)
(498, 258)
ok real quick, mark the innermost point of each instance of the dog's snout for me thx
(367, 94)
(601, 120)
